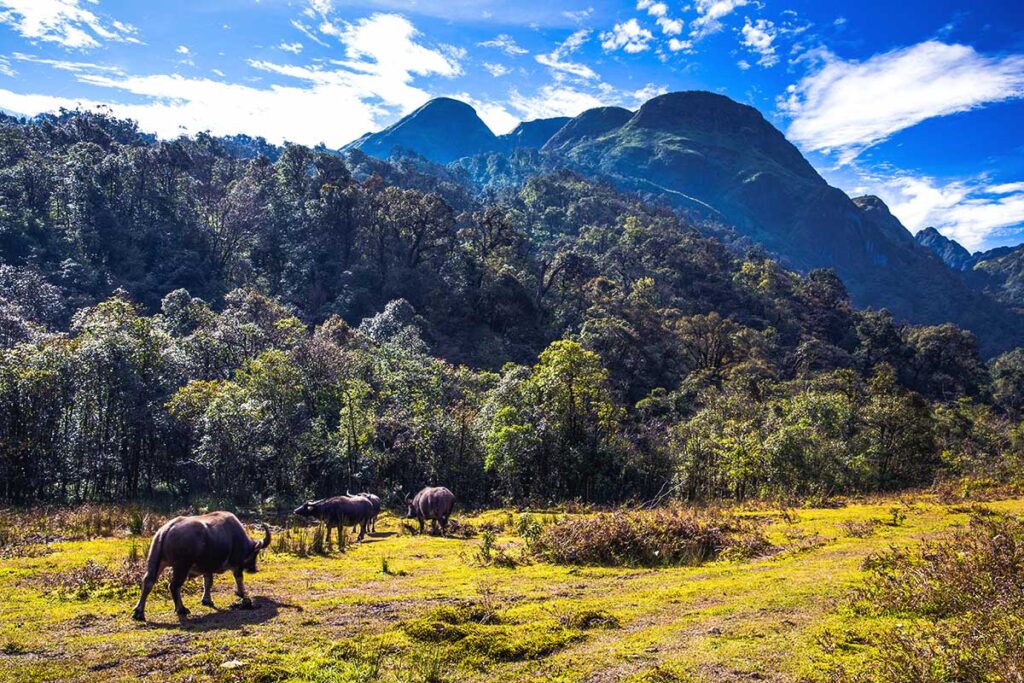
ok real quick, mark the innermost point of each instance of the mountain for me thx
(442, 130)
(999, 271)
(707, 152)
(532, 134)
(591, 124)
(715, 156)
(950, 251)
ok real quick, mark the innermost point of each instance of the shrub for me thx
(960, 601)
(667, 536)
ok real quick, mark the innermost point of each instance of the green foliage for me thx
(191, 318)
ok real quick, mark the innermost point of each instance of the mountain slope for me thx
(532, 134)
(950, 251)
(999, 271)
(702, 149)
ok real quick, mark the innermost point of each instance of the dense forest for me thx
(224, 319)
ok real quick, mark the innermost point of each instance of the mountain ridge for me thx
(707, 153)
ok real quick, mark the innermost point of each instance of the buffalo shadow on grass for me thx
(227, 618)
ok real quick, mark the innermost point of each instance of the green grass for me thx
(420, 608)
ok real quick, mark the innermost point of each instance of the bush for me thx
(667, 536)
(960, 601)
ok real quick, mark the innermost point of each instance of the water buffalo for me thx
(375, 501)
(434, 503)
(339, 511)
(201, 545)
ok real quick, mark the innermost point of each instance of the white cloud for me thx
(655, 9)
(629, 36)
(966, 211)
(1005, 188)
(554, 100)
(505, 43)
(497, 70)
(63, 22)
(5, 68)
(294, 48)
(758, 37)
(330, 103)
(677, 45)
(556, 58)
(710, 14)
(182, 50)
(670, 27)
(972, 211)
(847, 106)
(496, 116)
(647, 92)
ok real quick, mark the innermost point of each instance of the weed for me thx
(317, 546)
(668, 536)
(859, 529)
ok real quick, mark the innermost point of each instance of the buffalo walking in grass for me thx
(339, 512)
(201, 545)
(434, 503)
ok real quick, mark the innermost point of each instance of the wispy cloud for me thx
(496, 70)
(969, 211)
(556, 59)
(505, 43)
(294, 48)
(64, 22)
(844, 107)
(710, 14)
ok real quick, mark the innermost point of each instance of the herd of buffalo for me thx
(204, 545)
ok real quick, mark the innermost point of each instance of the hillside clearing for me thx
(439, 614)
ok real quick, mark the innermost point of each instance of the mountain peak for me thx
(442, 130)
(950, 251)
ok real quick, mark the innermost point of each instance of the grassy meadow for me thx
(482, 605)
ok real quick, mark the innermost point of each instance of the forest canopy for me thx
(222, 318)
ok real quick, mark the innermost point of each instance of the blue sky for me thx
(919, 101)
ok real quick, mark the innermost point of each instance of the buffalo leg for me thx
(328, 544)
(178, 576)
(444, 526)
(207, 585)
(433, 526)
(422, 526)
(362, 530)
(148, 582)
(240, 591)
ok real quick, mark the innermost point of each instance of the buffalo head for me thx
(249, 564)
(307, 509)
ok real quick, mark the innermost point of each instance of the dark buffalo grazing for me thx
(375, 501)
(201, 545)
(339, 511)
(434, 503)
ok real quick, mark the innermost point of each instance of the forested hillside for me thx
(208, 317)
